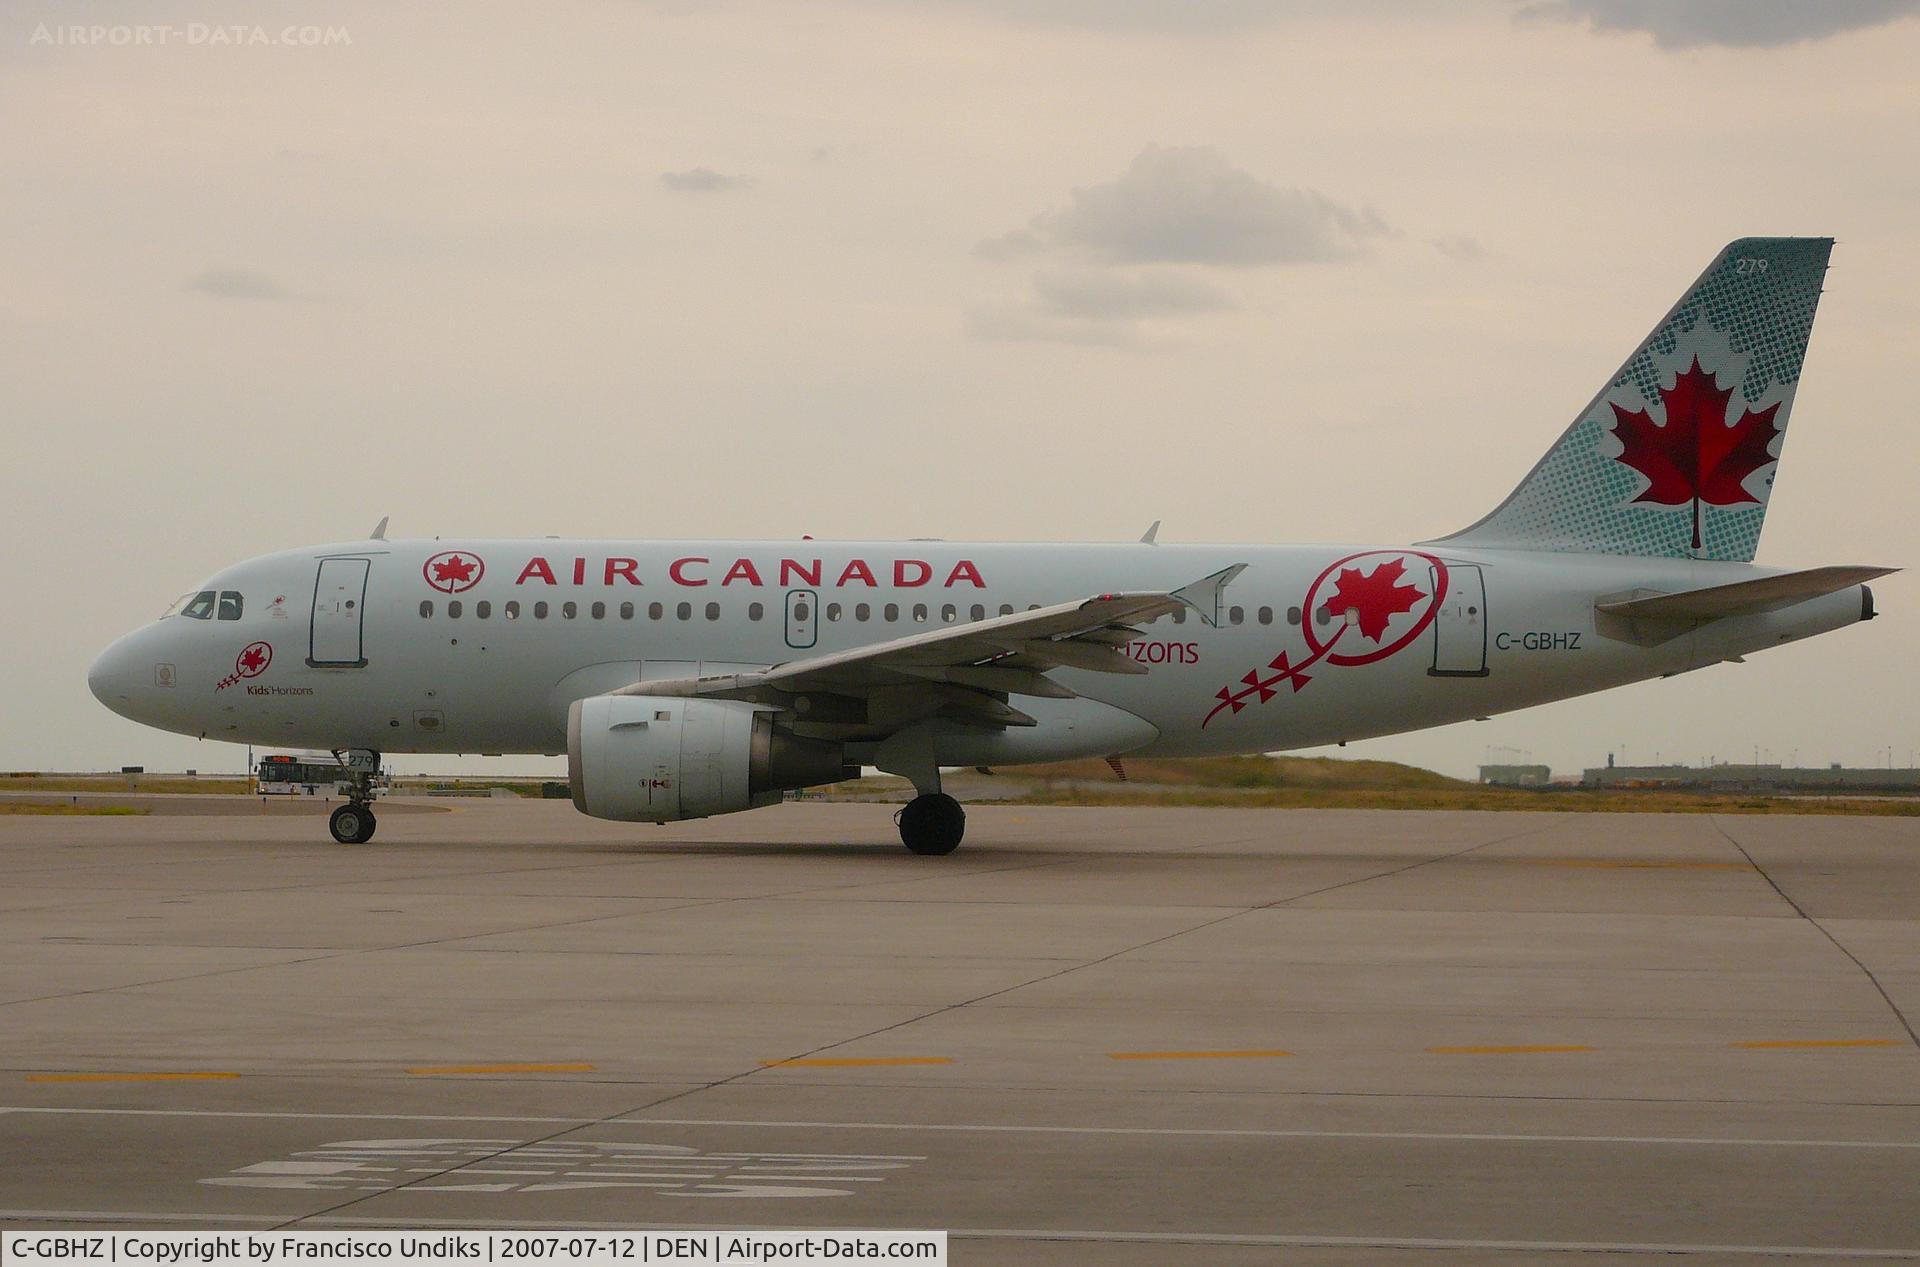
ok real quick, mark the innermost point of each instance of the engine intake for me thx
(661, 759)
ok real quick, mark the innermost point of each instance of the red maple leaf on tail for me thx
(1697, 456)
(453, 569)
(1378, 596)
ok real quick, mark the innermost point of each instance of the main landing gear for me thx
(932, 823)
(353, 823)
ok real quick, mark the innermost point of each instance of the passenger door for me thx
(1460, 626)
(339, 614)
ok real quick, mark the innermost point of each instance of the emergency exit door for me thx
(803, 618)
(1460, 624)
(339, 614)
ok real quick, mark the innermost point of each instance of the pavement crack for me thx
(1905, 1023)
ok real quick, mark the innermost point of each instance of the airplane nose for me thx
(110, 677)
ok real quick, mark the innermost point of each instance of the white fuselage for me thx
(367, 646)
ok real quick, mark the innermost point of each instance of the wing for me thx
(964, 672)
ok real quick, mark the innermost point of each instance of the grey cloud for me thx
(236, 283)
(703, 180)
(1459, 246)
(1109, 296)
(1732, 23)
(1170, 17)
(1189, 205)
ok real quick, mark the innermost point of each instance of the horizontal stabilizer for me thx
(1742, 598)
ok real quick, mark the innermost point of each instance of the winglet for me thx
(1147, 537)
(1204, 594)
(380, 529)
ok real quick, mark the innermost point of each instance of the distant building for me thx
(1516, 775)
(1755, 778)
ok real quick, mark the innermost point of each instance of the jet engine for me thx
(660, 759)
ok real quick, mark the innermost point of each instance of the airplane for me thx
(684, 679)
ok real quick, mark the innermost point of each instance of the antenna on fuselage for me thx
(380, 529)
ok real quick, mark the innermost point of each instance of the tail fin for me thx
(1676, 456)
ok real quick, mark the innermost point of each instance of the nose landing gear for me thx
(353, 823)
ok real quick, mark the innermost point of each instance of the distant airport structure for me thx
(1516, 775)
(1718, 778)
(1756, 778)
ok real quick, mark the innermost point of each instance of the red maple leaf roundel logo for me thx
(251, 662)
(1375, 597)
(1697, 456)
(453, 571)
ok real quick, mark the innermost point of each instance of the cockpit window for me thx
(230, 604)
(173, 608)
(199, 607)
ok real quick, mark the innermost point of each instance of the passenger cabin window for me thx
(453, 610)
(833, 611)
(949, 613)
(684, 611)
(512, 610)
(540, 610)
(1238, 615)
(231, 604)
(1179, 615)
(756, 610)
(569, 609)
(713, 612)
(599, 611)
(482, 609)
(626, 611)
(655, 611)
(861, 611)
(200, 606)
(920, 612)
(426, 608)
(891, 612)
(1006, 609)
(979, 612)
(1266, 615)
(1293, 615)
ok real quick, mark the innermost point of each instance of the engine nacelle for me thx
(660, 759)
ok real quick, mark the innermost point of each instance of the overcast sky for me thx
(1014, 269)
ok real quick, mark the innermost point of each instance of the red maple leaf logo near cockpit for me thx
(453, 571)
(252, 660)
(1697, 456)
(1375, 598)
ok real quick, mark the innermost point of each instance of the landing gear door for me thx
(339, 613)
(803, 619)
(1460, 626)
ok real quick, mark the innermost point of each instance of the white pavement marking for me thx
(1695, 1141)
(1021, 1234)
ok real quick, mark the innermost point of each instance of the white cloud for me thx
(1105, 295)
(1190, 205)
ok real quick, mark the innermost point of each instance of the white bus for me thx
(306, 774)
